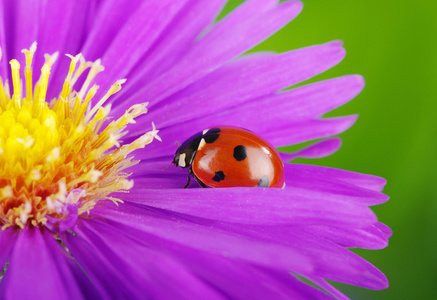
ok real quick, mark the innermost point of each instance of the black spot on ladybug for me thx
(219, 176)
(211, 135)
(264, 181)
(240, 153)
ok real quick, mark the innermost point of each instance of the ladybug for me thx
(229, 157)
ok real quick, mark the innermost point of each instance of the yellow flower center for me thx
(57, 158)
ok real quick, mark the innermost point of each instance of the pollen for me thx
(59, 158)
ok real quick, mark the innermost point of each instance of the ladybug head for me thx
(179, 160)
(176, 158)
(185, 153)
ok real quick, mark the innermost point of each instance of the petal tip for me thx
(351, 120)
(297, 4)
(294, 6)
(336, 43)
(383, 283)
(337, 49)
(358, 81)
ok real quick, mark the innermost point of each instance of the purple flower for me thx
(80, 218)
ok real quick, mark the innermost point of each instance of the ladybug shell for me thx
(234, 157)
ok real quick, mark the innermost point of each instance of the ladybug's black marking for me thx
(219, 176)
(211, 135)
(264, 181)
(240, 153)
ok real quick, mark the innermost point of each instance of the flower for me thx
(80, 218)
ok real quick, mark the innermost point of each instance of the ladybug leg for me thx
(189, 178)
(190, 172)
(199, 182)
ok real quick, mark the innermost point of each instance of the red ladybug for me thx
(228, 157)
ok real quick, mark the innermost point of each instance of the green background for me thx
(393, 45)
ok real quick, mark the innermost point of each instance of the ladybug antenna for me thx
(167, 166)
(177, 144)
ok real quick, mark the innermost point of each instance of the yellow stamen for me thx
(59, 154)
(45, 72)
(66, 89)
(15, 66)
(82, 67)
(4, 97)
(28, 70)
(49, 60)
(95, 69)
(116, 87)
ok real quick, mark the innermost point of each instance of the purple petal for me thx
(63, 34)
(371, 182)
(166, 51)
(248, 115)
(301, 181)
(107, 21)
(99, 270)
(7, 241)
(330, 260)
(87, 286)
(38, 269)
(320, 185)
(202, 237)
(308, 130)
(70, 214)
(220, 45)
(242, 281)
(314, 100)
(254, 206)
(366, 238)
(134, 39)
(21, 27)
(248, 78)
(316, 150)
(384, 229)
(156, 181)
(339, 264)
(327, 287)
(146, 272)
(293, 106)
(4, 61)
